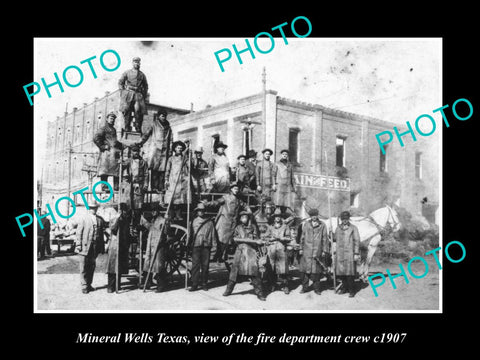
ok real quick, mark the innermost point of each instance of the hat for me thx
(123, 206)
(199, 151)
(161, 111)
(345, 215)
(136, 58)
(284, 151)
(233, 183)
(200, 206)
(178, 142)
(221, 144)
(269, 150)
(241, 156)
(111, 113)
(313, 212)
(269, 203)
(252, 153)
(244, 213)
(135, 147)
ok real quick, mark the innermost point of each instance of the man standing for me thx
(347, 240)
(90, 242)
(157, 154)
(252, 166)
(199, 172)
(137, 176)
(219, 169)
(226, 219)
(314, 245)
(156, 237)
(245, 261)
(279, 235)
(176, 166)
(284, 196)
(203, 233)
(244, 174)
(106, 140)
(120, 227)
(134, 89)
(265, 175)
(43, 236)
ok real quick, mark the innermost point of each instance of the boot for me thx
(229, 289)
(111, 283)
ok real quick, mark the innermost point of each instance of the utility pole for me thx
(264, 96)
(70, 151)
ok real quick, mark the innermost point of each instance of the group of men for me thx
(257, 256)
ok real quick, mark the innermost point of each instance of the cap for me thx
(136, 58)
(284, 151)
(345, 215)
(269, 150)
(221, 144)
(178, 142)
(241, 156)
(200, 206)
(111, 113)
(252, 153)
(313, 212)
(233, 184)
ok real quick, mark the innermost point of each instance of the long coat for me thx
(160, 135)
(348, 244)
(245, 260)
(219, 169)
(285, 193)
(276, 250)
(203, 232)
(156, 234)
(265, 175)
(174, 167)
(313, 242)
(90, 232)
(199, 174)
(134, 86)
(227, 216)
(106, 140)
(119, 225)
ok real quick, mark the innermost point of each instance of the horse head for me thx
(393, 219)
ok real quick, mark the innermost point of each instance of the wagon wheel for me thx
(176, 253)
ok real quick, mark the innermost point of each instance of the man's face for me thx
(155, 213)
(178, 149)
(244, 219)
(266, 155)
(293, 233)
(220, 150)
(135, 154)
(234, 190)
(93, 210)
(241, 161)
(284, 156)
(278, 222)
(198, 155)
(136, 65)
(345, 222)
(162, 117)
(110, 120)
(201, 213)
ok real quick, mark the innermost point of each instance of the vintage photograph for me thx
(168, 183)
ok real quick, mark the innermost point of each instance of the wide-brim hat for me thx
(221, 144)
(136, 58)
(112, 114)
(278, 213)
(284, 151)
(198, 151)
(244, 213)
(252, 153)
(178, 142)
(267, 149)
(241, 156)
(233, 184)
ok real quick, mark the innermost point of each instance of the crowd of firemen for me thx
(264, 254)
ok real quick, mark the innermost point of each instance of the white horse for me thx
(371, 229)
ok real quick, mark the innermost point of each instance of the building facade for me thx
(337, 161)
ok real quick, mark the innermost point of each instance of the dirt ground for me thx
(58, 289)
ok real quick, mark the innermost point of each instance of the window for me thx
(354, 199)
(418, 165)
(340, 145)
(293, 145)
(383, 159)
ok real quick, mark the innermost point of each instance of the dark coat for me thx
(156, 234)
(276, 250)
(313, 241)
(265, 176)
(219, 169)
(160, 135)
(134, 86)
(245, 259)
(119, 225)
(180, 193)
(91, 233)
(203, 232)
(227, 216)
(285, 192)
(348, 245)
(106, 140)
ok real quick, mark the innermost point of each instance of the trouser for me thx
(274, 279)
(111, 281)
(348, 283)
(305, 277)
(115, 182)
(43, 244)
(255, 279)
(200, 263)
(158, 180)
(127, 115)
(87, 267)
(221, 252)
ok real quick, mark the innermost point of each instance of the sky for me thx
(390, 79)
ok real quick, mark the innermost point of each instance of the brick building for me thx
(334, 152)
